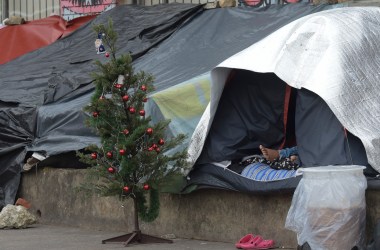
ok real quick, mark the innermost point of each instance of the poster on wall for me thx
(71, 9)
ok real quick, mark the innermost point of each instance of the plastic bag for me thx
(328, 209)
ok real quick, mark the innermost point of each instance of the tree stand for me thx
(136, 237)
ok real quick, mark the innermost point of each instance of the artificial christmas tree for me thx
(132, 159)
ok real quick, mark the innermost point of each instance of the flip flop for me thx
(265, 244)
(253, 243)
(247, 238)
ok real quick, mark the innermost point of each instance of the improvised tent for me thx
(331, 60)
(41, 105)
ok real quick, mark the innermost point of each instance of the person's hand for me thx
(293, 158)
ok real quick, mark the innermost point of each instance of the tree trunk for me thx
(5, 9)
(136, 237)
(136, 215)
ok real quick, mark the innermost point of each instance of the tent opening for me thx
(260, 109)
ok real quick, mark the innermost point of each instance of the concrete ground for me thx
(49, 237)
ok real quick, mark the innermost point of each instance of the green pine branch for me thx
(134, 154)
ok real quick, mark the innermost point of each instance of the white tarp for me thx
(334, 53)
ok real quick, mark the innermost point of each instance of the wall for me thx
(37, 9)
(70, 10)
(154, 2)
(33, 9)
(213, 215)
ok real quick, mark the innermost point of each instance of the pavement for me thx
(52, 237)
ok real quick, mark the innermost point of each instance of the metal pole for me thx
(5, 12)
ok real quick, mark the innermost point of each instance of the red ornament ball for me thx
(142, 112)
(132, 110)
(161, 142)
(118, 86)
(143, 87)
(111, 170)
(122, 151)
(145, 99)
(95, 114)
(149, 131)
(109, 155)
(150, 149)
(158, 150)
(125, 98)
(154, 146)
(125, 131)
(94, 155)
(107, 54)
(146, 187)
(126, 189)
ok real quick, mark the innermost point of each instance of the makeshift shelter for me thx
(331, 61)
(41, 105)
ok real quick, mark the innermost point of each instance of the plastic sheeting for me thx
(213, 36)
(335, 220)
(183, 104)
(335, 54)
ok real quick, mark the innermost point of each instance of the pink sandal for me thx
(253, 243)
(265, 244)
(244, 240)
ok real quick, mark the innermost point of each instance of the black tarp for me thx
(43, 92)
(321, 138)
(213, 36)
(250, 113)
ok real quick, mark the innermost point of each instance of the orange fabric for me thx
(288, 90)
(76, 23)
(17, 40)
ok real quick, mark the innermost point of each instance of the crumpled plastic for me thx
(328, 209)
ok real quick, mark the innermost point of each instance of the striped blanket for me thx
(262, 172)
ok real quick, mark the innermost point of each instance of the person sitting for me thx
(284, 159)
(273, 154)
(272, 165)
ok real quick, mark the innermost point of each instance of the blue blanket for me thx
(262, 172)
